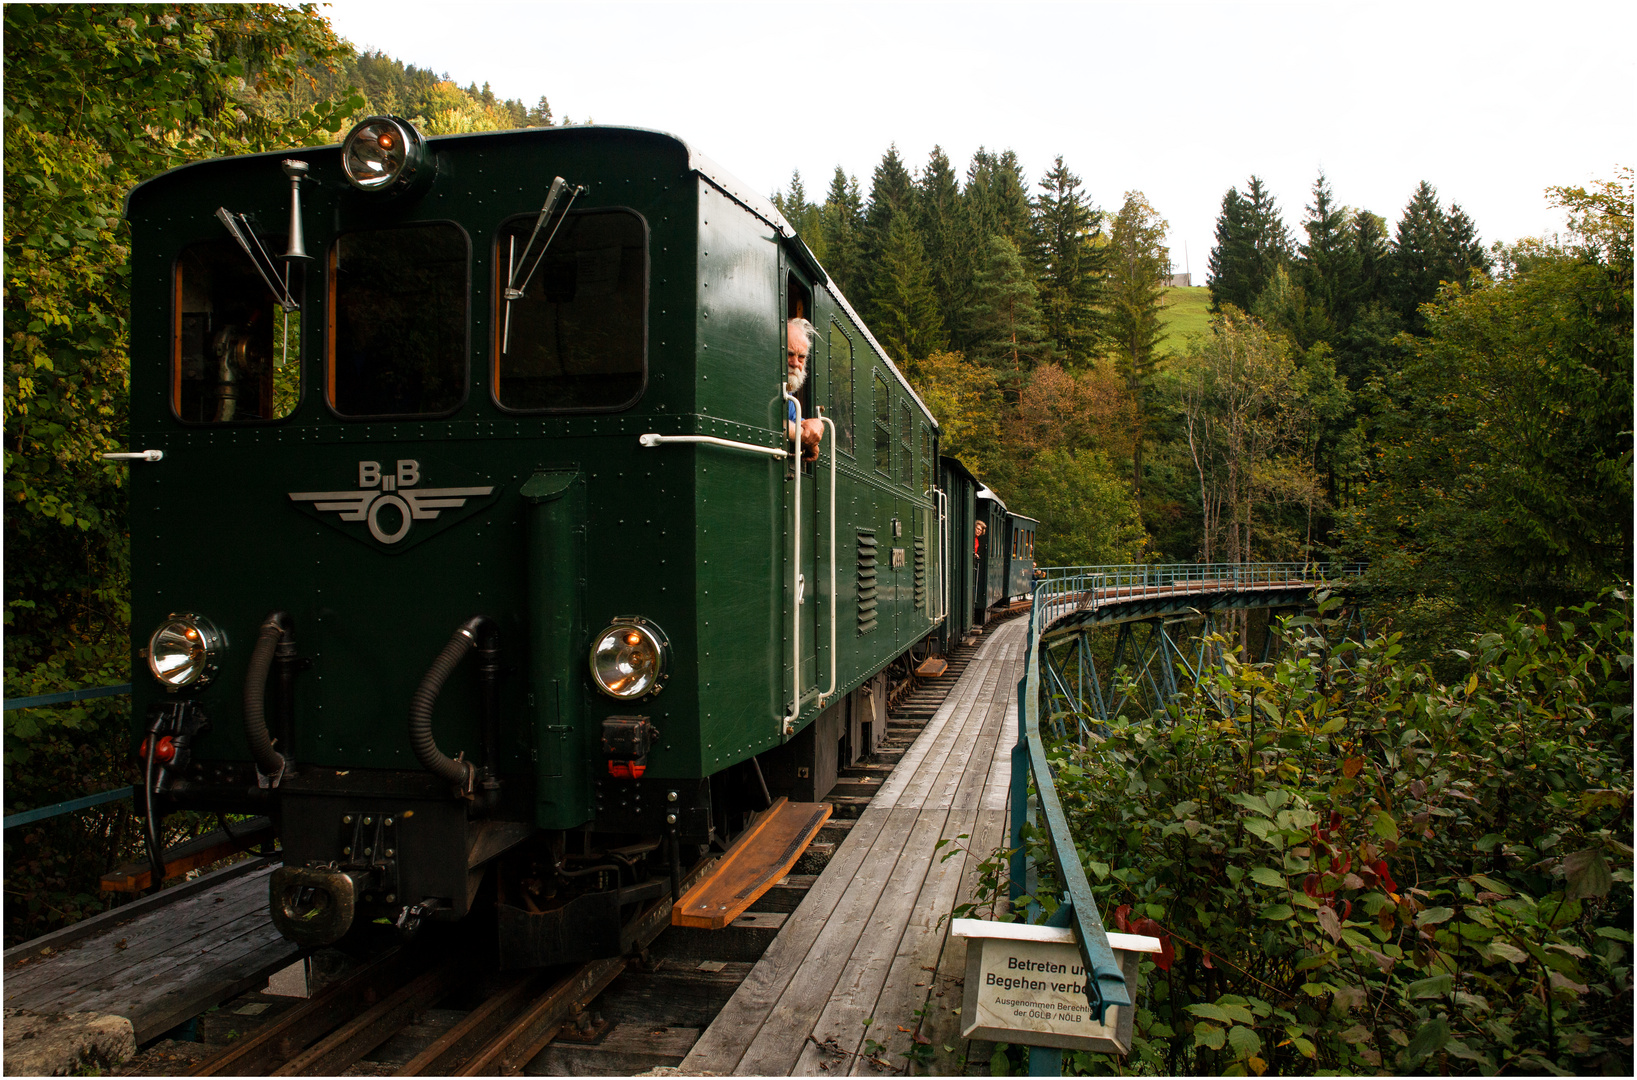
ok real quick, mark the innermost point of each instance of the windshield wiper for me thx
(514, 290)
(239, 226)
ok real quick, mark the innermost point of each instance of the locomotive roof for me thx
(717, 176)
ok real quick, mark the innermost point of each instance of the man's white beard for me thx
(795, 381)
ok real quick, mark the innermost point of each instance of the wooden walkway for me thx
(159, 961)
(866, 962)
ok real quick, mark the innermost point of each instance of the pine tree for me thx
(892, 192)
(1230, 259)
(1326, 268)
(540, 115)
(842, 222)
(1138, 264)
(997, 198)
(905, 304)
(1006, 316)
(1430, 248)
(803, 216)
(1071, 265)
(938, 213)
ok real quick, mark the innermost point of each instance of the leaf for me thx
(1437, 986)
(1352, 767)
(1385, 826)
(1587, 873)
(1432, 1036)
(1209, 1035)
(1210, 1012)
(1306, 1047)
(1278, 911)
(1507, 951)
(1434, 915)
(1330, 923)
(1266, 875)
(1260, 826)
(1358, 1033)
(1244, 1041)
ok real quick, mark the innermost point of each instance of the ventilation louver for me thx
(866, 581)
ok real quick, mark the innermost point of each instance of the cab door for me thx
(806, 509)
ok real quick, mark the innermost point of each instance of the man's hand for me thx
(812, 434)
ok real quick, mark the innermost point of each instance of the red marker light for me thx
(386, 140)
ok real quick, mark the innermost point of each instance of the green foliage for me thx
(96, 99)
(1504, 468)
(1251, 243)
(1358, 867)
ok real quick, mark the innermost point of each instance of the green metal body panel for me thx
(584, 524)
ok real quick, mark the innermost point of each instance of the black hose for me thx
(150, 826)
(274, 628)
(462, 774)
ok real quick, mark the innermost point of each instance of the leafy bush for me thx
(1357, 868)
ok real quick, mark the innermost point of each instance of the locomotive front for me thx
(404, 578)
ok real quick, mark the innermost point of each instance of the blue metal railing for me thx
(28, 817)
(1107, 984)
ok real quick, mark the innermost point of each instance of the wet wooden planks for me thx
(162, 965)
(870, 942)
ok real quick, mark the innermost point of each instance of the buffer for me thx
(753, 864)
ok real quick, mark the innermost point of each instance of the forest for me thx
(1369, 387)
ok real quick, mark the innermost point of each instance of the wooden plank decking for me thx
(159, 966)
(871, 940)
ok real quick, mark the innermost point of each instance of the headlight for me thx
(184, 652)
(628, 659)
(382, 153)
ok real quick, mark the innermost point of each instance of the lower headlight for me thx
(184, 652)
(628, 659)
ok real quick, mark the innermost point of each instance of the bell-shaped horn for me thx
(295, 170)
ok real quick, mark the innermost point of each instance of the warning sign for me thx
(1027, 984)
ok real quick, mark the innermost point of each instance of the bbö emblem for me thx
(379, 490)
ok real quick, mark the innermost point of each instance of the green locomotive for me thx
(471, 541)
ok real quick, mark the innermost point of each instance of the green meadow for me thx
(1185, 311)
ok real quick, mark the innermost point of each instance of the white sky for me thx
(1490, 102)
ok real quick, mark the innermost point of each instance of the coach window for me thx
(577, 340)
(235, 353)
(841, 387)
(926, 458)
(397, 333)
(883, 426)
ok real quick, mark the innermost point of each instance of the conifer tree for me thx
(1006, 316)
(1430, 247)
(903, 299)
(802, 215)
(937, 203)
(1251, 241)
(1326, 268)
(892, 192)
(1138, 264)
(1071, 265)
(842, 222)
(1229, 256)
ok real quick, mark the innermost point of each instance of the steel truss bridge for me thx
(1172, 622)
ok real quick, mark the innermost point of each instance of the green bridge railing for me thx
(1059, 591)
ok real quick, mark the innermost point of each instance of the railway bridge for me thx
(848, 966)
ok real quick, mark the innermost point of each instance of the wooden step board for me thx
(191, 855)
(754, 863)
(932, 667)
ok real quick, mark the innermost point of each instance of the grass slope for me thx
(1186, 311)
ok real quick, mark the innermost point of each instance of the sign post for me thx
(1027, 984)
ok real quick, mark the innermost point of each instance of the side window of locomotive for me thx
(906, 446)
(236, 356)
(397, 334)
(841, 387)
(883, 426)
(926, 458)
(578, 337)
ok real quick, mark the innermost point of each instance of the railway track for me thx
(441, 1006)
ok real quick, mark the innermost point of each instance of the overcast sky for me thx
(1490, 102)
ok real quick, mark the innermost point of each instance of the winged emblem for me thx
(380, 489)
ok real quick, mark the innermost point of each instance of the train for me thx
(473, 540)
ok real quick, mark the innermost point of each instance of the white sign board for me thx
(1026, 984)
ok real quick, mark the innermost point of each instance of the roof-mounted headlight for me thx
(629, 659)
(185, 652)
(383, 153)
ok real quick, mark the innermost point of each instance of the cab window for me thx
(883, 426)
(578, 338)
(906, 446)
(397, 334)
(236, 354)
(841, 387)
